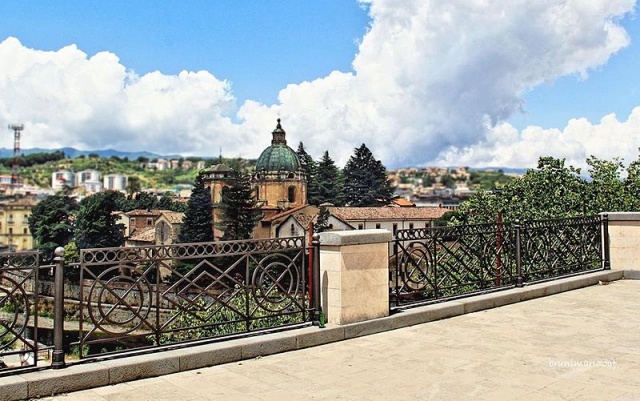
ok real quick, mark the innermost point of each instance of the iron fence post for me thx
(606, 260)
(318, 316)
(57, 359)
(519, 278)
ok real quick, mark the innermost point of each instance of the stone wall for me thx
(354, 275)
(624, 240)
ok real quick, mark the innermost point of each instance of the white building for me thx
(62, 178)
(116, 182)
(90, 180)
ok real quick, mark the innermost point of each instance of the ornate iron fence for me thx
(140, 297)
(19, 322)
(432, 264)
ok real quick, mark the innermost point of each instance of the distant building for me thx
(116, 182)
(14, 223)
(62, 179)
(90, 180)
(388, 218)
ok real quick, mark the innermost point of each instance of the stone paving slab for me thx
(576, 345)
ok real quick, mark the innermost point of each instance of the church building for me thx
(278, 181)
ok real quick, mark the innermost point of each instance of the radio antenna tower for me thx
(15, 169)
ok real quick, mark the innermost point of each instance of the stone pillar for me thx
(354, 271)
(624, 240)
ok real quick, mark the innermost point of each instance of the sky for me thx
(481, 83)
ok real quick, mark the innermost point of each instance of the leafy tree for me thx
(606, 191)
(238, 209)
(133, 185)
(552, 190)
(197, 225)
(51, 223)
(327, 183)
(166, 202)
(96, 225)
(365, 180)
(145, 200)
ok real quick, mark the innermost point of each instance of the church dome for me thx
(278, 156)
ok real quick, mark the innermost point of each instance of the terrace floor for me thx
(582, 344)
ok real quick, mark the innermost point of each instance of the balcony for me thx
(574, 338)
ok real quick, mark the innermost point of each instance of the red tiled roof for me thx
(387, 213)
(145, 234)
(283, 214)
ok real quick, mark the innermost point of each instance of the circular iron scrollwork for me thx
(276, 283)
(15, 314)
(415, 264)
(119, 300)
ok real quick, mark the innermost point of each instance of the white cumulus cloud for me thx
(431, 81)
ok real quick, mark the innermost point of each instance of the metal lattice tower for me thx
(15, 169)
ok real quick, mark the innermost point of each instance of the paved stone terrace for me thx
(577, 345)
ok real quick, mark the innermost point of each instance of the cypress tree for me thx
(238, 209)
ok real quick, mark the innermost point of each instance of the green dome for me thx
(278, 156)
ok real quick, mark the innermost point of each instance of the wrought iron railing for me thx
(126, 299)
(432, 264)
(19, 310)
(140, 297)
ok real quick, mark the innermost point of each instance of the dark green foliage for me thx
(167, 202)
(365, 180)
(238, 207)
(322, 223)
(309, 166)
(197, 225)
(96, 223)
(51, 223)
(34, 159)
(327, 183)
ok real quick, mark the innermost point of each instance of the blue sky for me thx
(420, 82)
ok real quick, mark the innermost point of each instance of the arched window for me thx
(292, 194)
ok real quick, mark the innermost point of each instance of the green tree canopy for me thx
(327, 183)
(51, 223)
(238, 207)
(552, 190)
(96, 225)
(365, 180)
(309, 167)
(197, 225)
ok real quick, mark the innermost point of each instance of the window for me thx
(410, 226)
(10, 230)
(395, 227)
(24, 231)
(292, 230)
(378, 225)
(292, 194)
(149, 221)
(360, 226)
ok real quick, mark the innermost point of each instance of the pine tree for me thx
(238, 209)
(96, 225)
(197, 225)
(322, 222)
(365, 180)
(327, 183)
(309, 167)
